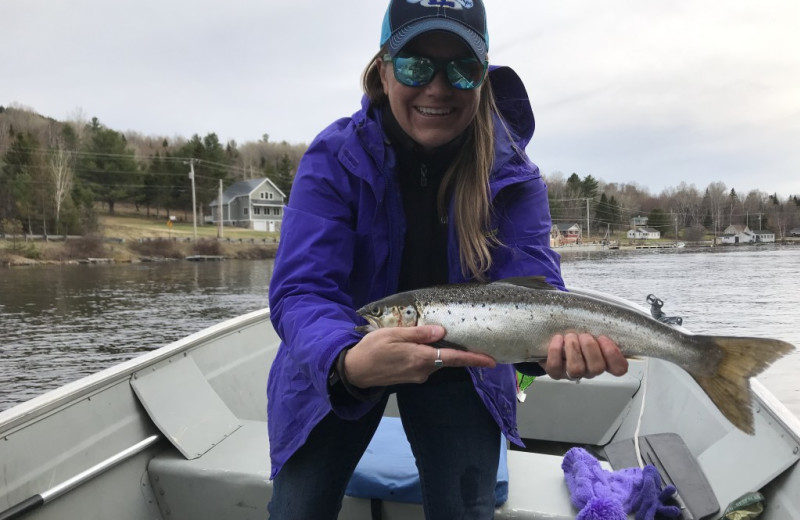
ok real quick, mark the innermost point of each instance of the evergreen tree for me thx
(284, 175)
(659, 220)
(589, 187)
(574, 186)
(107, 167)
(212, 163)
(614, 211)
(603, 212)
(21, 170)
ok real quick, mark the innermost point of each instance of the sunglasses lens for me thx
(465, 74)
(414, 71)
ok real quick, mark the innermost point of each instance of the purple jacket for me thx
(341, 246)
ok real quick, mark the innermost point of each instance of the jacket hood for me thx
(513, 103)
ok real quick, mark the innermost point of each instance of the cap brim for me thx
(402, 37)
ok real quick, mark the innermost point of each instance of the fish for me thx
(512, 320)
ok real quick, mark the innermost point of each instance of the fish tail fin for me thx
(742, 358)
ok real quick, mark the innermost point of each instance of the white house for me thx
(254, 204)
(737, 234)
(561, 234)
(644, 233)
(763, 236)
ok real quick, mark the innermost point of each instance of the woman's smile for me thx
(435, 113)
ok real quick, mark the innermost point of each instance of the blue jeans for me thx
(452, 436)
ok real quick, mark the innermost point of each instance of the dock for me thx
(205, 258)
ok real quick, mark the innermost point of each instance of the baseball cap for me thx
(407, 19)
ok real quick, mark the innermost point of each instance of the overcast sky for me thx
(640, 91)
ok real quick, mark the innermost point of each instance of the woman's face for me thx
(436, 113)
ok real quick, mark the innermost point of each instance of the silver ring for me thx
(570, 378)
(438, 363)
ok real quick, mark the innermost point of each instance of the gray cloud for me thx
(627, 91)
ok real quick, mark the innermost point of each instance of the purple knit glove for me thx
(651, 499)
(599, 494)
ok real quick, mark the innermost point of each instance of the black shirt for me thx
(420, 174)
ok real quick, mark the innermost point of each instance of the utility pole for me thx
(588, 233)
(219, 210)
(676, 229)
(194, 200)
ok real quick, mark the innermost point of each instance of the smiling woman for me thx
(427, 184)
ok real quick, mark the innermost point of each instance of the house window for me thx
(276, 211)
(245, 211)
(270, 196)
(256, 211)
(263, 195)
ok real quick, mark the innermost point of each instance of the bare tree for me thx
(755, 205)
(688, 203)
(62, 175)
(717, 199)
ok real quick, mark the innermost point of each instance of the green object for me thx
(523, 381)
(746, 507)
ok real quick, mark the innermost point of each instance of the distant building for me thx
(737, 234)
(763, 236)
(644, 233)
(795, 232)
(253, 204)
(561, 234)
(637, 222)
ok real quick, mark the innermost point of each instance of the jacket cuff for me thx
(342, 392)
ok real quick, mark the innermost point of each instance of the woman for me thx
(427, 184)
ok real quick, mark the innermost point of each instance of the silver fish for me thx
(513, 320)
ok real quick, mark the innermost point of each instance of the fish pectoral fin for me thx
(443, 343)
(530, 282)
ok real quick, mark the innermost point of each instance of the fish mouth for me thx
(372, 321)
(365, 329)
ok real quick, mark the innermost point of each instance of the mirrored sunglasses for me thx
(417, 71)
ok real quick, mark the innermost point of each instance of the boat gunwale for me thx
(56, 399)
(785, 418)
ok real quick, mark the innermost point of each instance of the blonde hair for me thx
(467, 178)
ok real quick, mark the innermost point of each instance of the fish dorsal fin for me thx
(530, 282)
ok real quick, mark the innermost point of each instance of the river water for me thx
(60, 323)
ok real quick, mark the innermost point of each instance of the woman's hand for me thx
(573, 356)
(403, 355)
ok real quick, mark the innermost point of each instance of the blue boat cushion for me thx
(387, 470)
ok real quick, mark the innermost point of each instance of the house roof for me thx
(740, 228)
(244, 188)
(565, 227)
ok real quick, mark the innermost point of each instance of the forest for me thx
(55, 176)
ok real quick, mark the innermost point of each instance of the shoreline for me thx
(122, 251)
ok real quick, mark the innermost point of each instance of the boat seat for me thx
(231, 481)
(596, 407)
